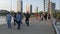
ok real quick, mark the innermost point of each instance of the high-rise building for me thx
(30, 9)
(52, 8)
(20, 6)
(45, 6)
(36, 9)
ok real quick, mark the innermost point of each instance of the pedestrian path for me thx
(36, 27)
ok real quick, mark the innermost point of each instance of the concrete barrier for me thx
(54, 25)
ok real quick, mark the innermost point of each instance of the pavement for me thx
(36, 27)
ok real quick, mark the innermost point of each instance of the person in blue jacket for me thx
(8, 19)
(19, 19)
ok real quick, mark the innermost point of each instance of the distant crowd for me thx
(45, 16)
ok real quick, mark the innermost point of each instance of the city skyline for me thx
(5, 4)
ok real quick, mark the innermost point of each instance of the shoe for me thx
(18, 28)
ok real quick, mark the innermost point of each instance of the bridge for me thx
(36, 27)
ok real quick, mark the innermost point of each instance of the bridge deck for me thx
(36, 27)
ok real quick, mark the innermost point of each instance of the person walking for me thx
(21, 18)
(48, 16)
(18, 19)
(14, 19)
(8, 19)
(27, 18)
(45, 16)
(42, 17)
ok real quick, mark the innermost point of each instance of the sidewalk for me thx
(36, 27)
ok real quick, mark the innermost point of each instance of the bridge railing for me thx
(54, 22)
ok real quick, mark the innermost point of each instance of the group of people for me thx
(17, 19)
(45, 16)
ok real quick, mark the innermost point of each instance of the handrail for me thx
(53, 20)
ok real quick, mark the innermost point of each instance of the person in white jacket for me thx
(8, 19)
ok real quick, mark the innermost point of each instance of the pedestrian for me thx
(18, 19)
(45, 16)
(42, 17)
(21, 18)
(14, 19)
(27, 18)
(8, 19)
(48, 16)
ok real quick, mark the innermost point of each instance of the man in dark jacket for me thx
(14, 19)
(45, 16)
(27, 18)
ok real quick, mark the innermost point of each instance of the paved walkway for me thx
(36, 27)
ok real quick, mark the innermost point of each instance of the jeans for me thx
(19, 24)
(9, 24)
(27, 22)
(14, 22)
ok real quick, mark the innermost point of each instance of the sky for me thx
(57, 2)
(6, 4)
